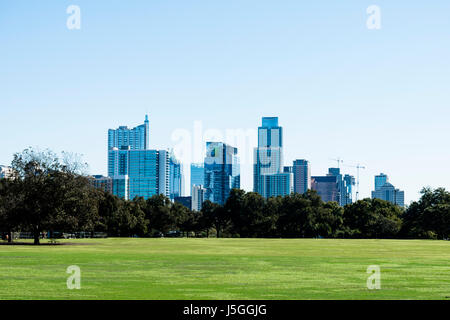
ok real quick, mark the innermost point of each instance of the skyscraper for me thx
(135, 170)
(197, 174)
(386, 191)
(269, 178)
(222, 171)
(302, 176)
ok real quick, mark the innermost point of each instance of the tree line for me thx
(46, 193)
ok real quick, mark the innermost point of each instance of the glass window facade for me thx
(222, 171)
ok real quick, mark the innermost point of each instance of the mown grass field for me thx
(227, 269)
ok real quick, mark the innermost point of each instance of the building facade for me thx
(176, 178)
(222, 171)
(139, 173)
(185, 201)
(136, 138)
(198, 197)
(381, 180)
(102, 183)
(326, 187)
(197, 175)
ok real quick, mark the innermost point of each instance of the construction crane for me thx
(358, 166)
(339, 161)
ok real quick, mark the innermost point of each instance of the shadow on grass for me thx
(18, 243)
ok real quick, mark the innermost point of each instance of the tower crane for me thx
(358, 166)
(339, 161)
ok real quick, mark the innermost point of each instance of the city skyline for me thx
(377, 98)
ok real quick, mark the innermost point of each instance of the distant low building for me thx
(5, 172)
(102, 183)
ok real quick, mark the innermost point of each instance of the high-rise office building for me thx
(222, 172)
(302, 176)
(197, 174)
(135, 170)
(269, 177)
(198, 197)
(386, 191)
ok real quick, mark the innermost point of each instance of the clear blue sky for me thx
(378, 97)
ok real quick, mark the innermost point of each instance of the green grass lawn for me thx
(227, 269)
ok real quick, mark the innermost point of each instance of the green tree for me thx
(429, 217)
(215, 216)
(372, 218)
(159, 213)
(53, 193)
(8, 202)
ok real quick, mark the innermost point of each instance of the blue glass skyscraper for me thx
(222, 171)
(137, 171)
